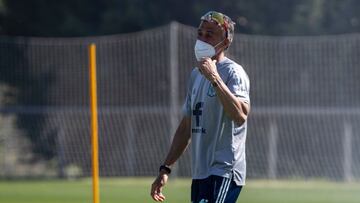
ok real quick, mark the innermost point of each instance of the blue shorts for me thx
(214, 189)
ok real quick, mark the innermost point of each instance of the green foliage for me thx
(326, 17)
(97, 17)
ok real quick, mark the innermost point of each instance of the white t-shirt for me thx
(218, 143)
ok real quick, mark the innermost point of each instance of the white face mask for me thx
(203, 49)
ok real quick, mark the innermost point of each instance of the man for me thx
(215, 113)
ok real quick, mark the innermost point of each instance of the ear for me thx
(226, 43)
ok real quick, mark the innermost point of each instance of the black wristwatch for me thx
(165, 168)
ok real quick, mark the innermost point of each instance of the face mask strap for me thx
(218, 45)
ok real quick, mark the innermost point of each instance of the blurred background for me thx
(302, 57)
(69, 18)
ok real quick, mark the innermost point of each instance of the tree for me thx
(316, 17)
(97, 17)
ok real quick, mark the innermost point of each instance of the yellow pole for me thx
(94, 124)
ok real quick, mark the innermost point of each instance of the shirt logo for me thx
(211, 91)
(197, 112)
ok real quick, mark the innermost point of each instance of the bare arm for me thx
(234, 107)
(180, 142)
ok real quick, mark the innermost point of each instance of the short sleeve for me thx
(239, 84)
(186, 108)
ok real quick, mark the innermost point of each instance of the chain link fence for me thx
(305, 97)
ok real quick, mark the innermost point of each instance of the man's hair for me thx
(223, 21)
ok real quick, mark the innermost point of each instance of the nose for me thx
(201, 36)
(202, 39)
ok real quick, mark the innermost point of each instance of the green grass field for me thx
(136, 190)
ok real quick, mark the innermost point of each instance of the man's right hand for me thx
(157, 186)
